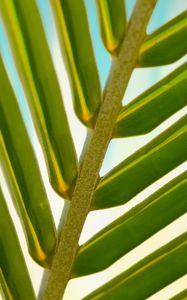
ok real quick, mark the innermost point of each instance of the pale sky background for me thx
(118, 150)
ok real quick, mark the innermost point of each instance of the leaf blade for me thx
(149, 275)
(154, 160)
(112, 21)
(36, 70)
(164, 45)
(133, 228)
(22, 173)
(153, 106)
(14, 277)
(80, 61)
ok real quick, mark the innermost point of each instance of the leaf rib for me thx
(120, 74)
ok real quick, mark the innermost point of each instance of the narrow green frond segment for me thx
(153, 106)
(23, 175)
(34, 63)
(180, 296)
(165, 45)
(148, 276)
(14, 278)
(112, 21)
(4, 290)
(72, 26)
(133, 228)
(141, 169)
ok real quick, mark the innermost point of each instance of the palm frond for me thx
(141, 169)
(164, 46)
(14, 277)
(112, 20)
(134, 227)
(39, 79)
(105, 118)
(154, 106)
(22, 172)
(81, 66)
(149, 275)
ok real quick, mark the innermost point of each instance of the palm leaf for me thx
(130, 48)
(14, 278)
(112, 17)
(166, 97)
(80, 61)
(134, 227)
(36, 70)
(24, 178)
(154, 160)
(149, 275)
(164, 45)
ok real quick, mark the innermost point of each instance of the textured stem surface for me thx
(120, 74)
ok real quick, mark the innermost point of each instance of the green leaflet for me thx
(14, 278)
(23, 175)
(154, 106)
(165, 45)
(112, 21)
(134, 227)
(141, 169)
(4, 290)
(72, 25)
(33, 60)
(149, 275)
